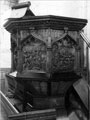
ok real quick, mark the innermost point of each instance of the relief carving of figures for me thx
(34, 54)
(63, 58)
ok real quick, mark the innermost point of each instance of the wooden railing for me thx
(10, 109)
(13, 114)
(49, 114)
(87, 41)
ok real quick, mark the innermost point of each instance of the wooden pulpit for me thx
(47, 56)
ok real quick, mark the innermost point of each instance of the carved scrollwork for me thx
(34, 54)
(63, 58)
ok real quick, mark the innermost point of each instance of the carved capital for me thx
(66, 29)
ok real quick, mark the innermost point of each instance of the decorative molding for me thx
(45, 22)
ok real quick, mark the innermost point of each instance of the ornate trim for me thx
(34, 36)
(63, 36)
(38, 37)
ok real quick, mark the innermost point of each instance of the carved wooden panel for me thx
(34, 45)
(63, 55)
(34, 54)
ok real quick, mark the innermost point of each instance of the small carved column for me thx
(49, 58)
(49, 55)
(19, 66)
(12, 56)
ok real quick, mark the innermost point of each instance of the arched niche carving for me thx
(63, 54)
(34, 54)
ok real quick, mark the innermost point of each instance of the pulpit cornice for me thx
(45, 22)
